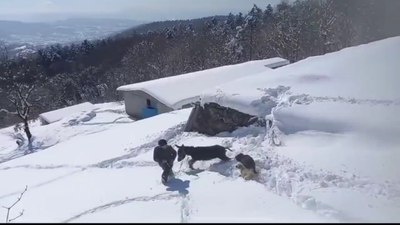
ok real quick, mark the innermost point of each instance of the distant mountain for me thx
(63, 31)
(161, 25)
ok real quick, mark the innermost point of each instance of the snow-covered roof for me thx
(177, 90)
(56, 115)
(276, 62)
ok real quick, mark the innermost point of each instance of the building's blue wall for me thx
(149, 112)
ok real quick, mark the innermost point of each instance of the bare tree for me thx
(10, 207)
(19, 97)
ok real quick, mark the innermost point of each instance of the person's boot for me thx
(171, 174)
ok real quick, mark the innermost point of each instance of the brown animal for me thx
(247, 166)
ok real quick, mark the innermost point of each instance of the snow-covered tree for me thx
(3, 52)
(252, 21)
(20, 98)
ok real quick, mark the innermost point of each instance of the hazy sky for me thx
(147, 10)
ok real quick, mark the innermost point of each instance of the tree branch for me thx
(20, 214)
(9, 208)
(25, 99)
(21, 97)
(17, 108)
(8, 112)
(20, 196)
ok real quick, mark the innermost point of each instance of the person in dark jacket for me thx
(165, 156)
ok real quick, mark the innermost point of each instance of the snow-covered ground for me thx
(330, 156)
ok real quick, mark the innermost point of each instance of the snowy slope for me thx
(113, 179)
(337, 113)
(331, 155)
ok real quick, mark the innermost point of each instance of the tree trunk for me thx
(251, 43)
(27, 131)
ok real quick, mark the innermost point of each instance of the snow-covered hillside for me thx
(330, 156)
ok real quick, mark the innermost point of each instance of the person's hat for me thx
(162, 142)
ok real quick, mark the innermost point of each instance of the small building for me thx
(149, 98)
(277, 62)
(56, 115)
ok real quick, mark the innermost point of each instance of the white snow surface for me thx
(178, 90)
(331, 154)
(56, 115)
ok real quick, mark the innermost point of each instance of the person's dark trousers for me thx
(167, 169)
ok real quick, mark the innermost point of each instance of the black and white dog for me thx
(247, 166)
(202, 153)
